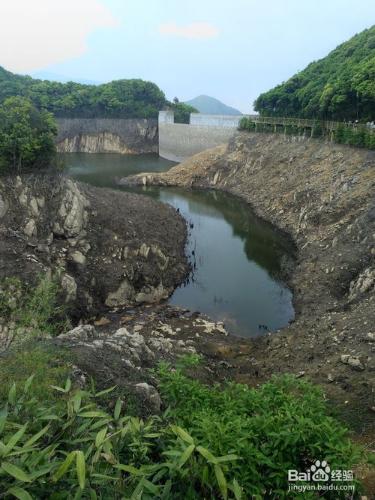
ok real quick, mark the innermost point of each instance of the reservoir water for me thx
(236, 257)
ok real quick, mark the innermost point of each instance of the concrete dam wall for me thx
(180, 141)
(107, 135)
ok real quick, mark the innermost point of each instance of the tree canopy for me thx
(26, 136)
(118, 99)
(340, 86)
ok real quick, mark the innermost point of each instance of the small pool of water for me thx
(237, 258)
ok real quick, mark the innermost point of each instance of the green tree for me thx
(341, 86)
(182, 111)
(26, 136)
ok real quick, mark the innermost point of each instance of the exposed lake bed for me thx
(238, 261)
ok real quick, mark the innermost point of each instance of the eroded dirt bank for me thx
(323, 195)
(107, 248)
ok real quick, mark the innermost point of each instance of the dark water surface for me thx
(237, 258)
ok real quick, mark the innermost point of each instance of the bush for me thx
(282, 425)
(220, 442)
(26, 136)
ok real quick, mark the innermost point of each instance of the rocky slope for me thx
(107, 248)
(323, 195)
(106, 135)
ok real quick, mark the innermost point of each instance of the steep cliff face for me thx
(107, 136)
(106, 248)
(323, 195)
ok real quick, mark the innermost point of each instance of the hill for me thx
(117, 99)
(212, 106)
(55, 77)
(340, 86)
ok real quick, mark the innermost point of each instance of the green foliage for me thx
(182, 112)
(30, 312)
(48, 366)
(282, 425)
(339, 87)
(222, 442)
(353, 135)
(118, 99)
(77, 448)
(26, 136)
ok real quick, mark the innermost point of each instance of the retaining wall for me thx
(180, 141)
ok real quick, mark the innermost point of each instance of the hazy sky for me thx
(232, 50)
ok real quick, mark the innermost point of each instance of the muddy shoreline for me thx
(323, 196)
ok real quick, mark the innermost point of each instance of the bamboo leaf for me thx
(68, 385)
(117, 411)
(221, 481)
(15, 472)
(12, 394)
(14, 439)
(37, 436)
(93, 414)
(106, 391)
(100, 437)
(19, 493)
(130, 469)
(227, 458)
(186, 455)
(182, 434)
(64, 466)
(207, 455)
(81, 469)
(28, 384)
(236, 488)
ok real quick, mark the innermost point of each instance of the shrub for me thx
(282, 425)
(219, 442)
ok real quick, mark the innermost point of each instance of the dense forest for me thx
(340, 86)
(118, 99)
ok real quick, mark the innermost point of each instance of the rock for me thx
(69, 284)
(30, 229)
(72, 210)
(352, 361)
(364, 282)
(102, 321)
(121, 296)
(3, 206)
(81, 333)
(149, 396)
(78, 257)
(34, 207)
(370, 337)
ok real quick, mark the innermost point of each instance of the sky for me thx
(232, 50)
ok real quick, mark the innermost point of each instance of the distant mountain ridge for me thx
(211, 106)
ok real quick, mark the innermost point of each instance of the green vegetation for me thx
(182, 112)
(117, 99)
(339, 87)
(28, 312)
(219, 442)
(26, 136)
(359, 135)
(61, 441)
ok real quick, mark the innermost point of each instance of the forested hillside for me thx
(340, 86)
(120, 98)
